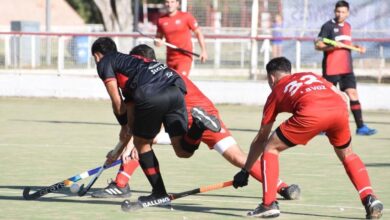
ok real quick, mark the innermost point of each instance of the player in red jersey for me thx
(337, 62)
(221, 141)
(176, 28)
(316, 105)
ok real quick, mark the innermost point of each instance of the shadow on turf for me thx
(319, 215)
(65, 191)
(66, 122)
(377, 164)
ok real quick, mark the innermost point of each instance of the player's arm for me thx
(325, 32)
(202, 44)
(258, 145)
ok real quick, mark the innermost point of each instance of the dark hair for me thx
(278, 64)
(103, 45)
(341, 4)
(144, 51)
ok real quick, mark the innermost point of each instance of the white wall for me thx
(372, 96)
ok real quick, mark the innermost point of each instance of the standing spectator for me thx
(337, 62)
(276, 36)
(176, 27)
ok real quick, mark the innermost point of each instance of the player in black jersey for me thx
(337, 62)
(153, 95)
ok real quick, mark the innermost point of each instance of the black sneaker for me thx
(204, 120)
(373, 206)
(154, 200)
(112, 191)
(264, 211)
(292, 192)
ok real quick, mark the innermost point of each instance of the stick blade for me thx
(81, 191)
(26, 194)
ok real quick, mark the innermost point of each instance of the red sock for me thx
(358, 175)
(256, 173)
(125, 172)
(270, 170)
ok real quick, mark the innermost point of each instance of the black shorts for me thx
(167, 107)
(347, 81)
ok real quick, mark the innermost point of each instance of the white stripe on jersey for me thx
(343, 37)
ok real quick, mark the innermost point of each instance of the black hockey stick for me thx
(62, 184)
(128, 206)
(169, 45)
(83, 190)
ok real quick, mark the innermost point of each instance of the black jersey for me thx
(137, 77)
(338, 61)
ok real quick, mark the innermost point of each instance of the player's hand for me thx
(203, 56)
(129, 153)
(111, 157)
(241, 179)
(362, 49)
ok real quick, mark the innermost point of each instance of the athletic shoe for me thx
(365, 130)
(291, 192)
(373, 207)
(154, 200)
(264, 211)
(204, 120)
(113, 191)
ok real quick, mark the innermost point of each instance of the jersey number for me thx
(293, 86)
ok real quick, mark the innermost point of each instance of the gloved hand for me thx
(241, 178)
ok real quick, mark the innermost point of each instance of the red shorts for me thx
(180, 64)
(300, 129)
(219, 141)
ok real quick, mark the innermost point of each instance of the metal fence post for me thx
(254, 43)
(61, 54)
(298, 56)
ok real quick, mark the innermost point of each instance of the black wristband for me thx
(244, 171)
(122, 119)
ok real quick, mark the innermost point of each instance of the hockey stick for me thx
(169, 45)
(62, 184)
(83, 190)
(336, 43)
(128, 206)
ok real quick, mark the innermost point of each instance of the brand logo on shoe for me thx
(156, 202)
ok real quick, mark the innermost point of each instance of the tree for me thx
(117, 15)
(87, 10)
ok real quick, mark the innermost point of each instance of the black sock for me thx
(191, 140)
(357, 113)
(195, 132)
(150, 166)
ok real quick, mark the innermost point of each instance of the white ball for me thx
(74, 188)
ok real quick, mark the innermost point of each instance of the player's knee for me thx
(183, 154)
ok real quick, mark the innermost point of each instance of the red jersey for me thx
(177, 31)
(304, 94)
(338, 61)
(195, 97)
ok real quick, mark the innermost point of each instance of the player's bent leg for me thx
(270, 170)
(237, 157)
(358, 175)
